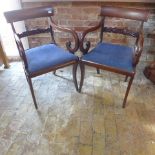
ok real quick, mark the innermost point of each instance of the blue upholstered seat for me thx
(113, 55)
(47, 56)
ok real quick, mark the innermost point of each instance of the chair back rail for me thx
(34, 32)
(127, 13)
(20, 15)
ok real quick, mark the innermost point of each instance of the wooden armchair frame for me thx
(24, 14)
(118, 12)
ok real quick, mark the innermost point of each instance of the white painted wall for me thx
(6, 34)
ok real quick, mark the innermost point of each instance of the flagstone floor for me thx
(70, 123)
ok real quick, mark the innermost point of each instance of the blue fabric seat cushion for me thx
(113, 55)
(47, 56)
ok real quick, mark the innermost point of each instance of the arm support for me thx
(138, 49)
(21, 49)
(75, 36)
(85, 50)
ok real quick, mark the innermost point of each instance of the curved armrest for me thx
(21, 49)
(138, 48)
(68, 44)
(85, 50)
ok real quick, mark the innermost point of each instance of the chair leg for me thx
(32, 91)
(74, 75)
(98, 70)
(126, 78)
(82, 68)
(127, 91)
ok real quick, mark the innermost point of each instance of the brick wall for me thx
(81, 15)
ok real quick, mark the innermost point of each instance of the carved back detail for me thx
(121, 31)
(34, 32)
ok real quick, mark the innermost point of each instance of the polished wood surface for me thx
(126, 13)
(23, 14)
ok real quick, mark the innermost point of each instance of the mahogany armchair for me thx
(44, 58)
(118, 58)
